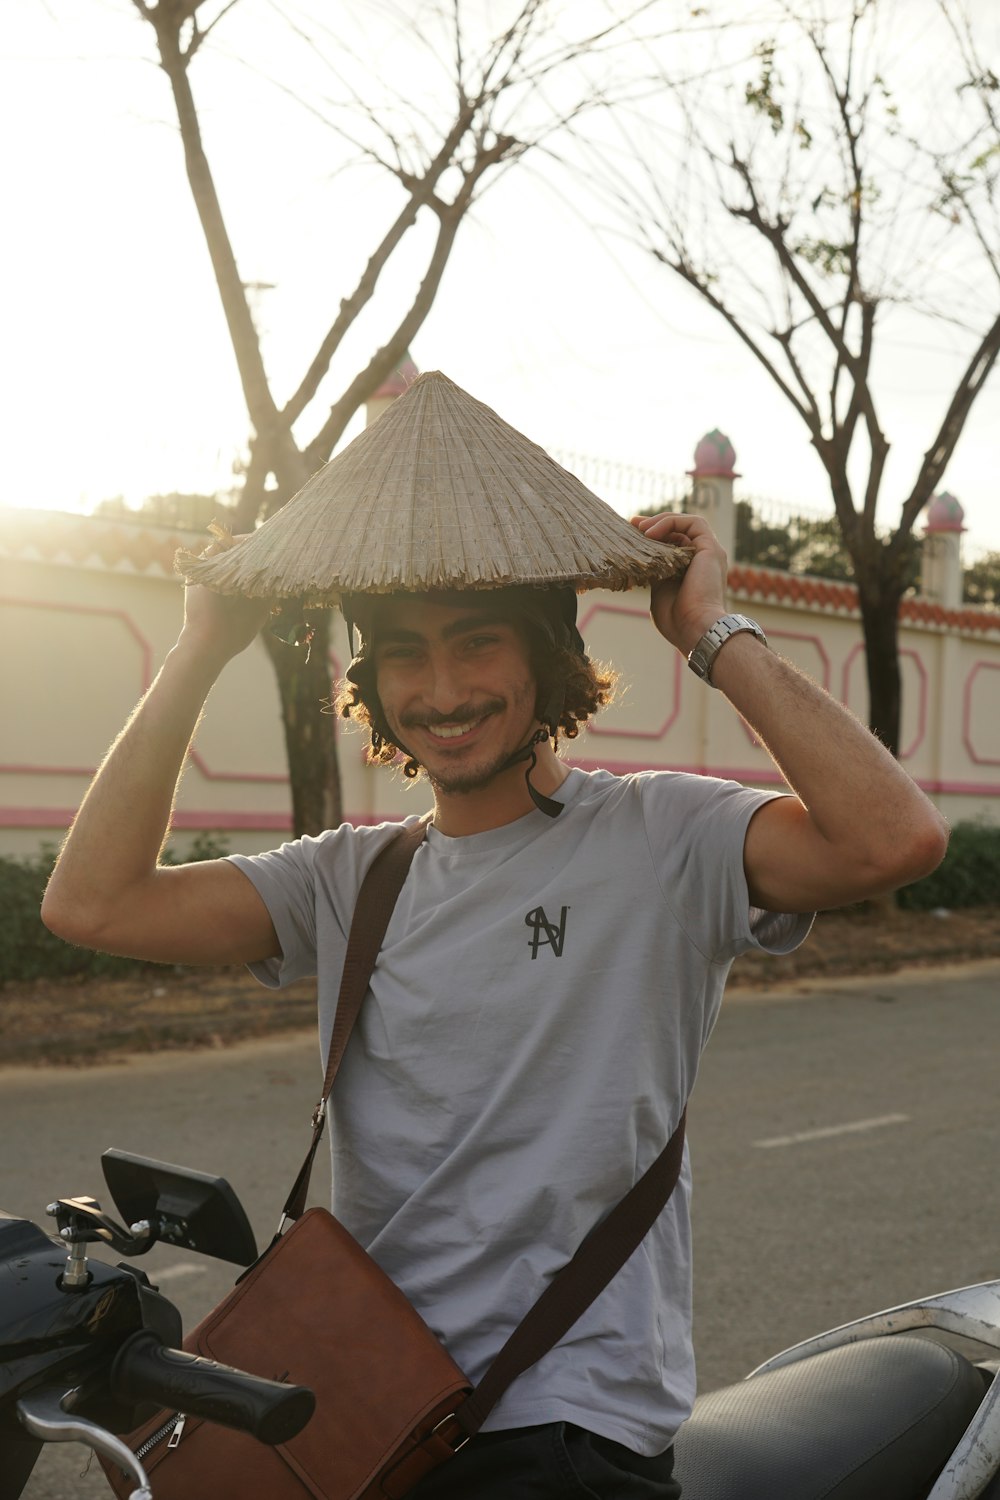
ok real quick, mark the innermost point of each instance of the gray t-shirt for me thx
(532, 1034)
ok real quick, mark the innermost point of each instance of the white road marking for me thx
(830, 1130)
(173, 1273)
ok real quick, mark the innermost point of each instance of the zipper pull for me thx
(178, 1431)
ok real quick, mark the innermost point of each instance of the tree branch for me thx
(936, 459)
(450, 217)
(167, 22)
(384, 361)
(702, 287)
(421, 194)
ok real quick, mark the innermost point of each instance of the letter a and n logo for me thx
(545, 931)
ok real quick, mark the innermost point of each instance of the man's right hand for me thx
(221, 625)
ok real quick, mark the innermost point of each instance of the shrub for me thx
(969, 874)
(203, 846)
(29, 951)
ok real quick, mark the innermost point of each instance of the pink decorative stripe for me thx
(262, 776)
(88, 771)
(769, 776)
(29, 770)
(599, 607)
(972, 752)
(597, 729)
(96, 609)
(197, 758)
(36, 817)
(811, 639)
(600, 732)
(765, 774)
(790, 635)
(62, 817)
(906, 751)
(222, 821)
(962, 788)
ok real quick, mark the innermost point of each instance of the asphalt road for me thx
(844, 1137)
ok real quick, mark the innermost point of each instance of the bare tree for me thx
(810, 184)
(500, 96)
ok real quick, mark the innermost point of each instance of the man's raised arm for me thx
(108, 890)
(858, 826)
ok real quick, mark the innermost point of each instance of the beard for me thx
(472, 778)
(465, 779)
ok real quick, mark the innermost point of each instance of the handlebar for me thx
(146, 1369)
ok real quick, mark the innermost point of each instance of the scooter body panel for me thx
(873, 1420)
(972, 1312)
(46, 1328)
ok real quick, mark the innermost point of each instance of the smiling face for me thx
(456, 688)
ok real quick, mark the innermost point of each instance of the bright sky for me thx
(115, 367)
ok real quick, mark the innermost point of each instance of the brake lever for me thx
(45, 1415)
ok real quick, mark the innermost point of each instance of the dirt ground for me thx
(97, 1020)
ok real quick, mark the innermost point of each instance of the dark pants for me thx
(554, 1462)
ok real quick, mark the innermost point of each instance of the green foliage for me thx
(815, 547)
(803, 544)
(982, 580)
(204, 845)
(832, 259)
(969, 875)
(760, 96)
(29, 951)
(796, 545)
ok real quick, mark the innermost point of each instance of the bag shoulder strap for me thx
(580, 1281)
(604, 1251)
(376, 901)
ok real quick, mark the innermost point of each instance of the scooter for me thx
(89, 1349)
(902, 1405)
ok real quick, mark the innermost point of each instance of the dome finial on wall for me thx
(714, 457)
(944, 513)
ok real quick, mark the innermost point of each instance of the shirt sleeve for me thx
(696, 828)
(310, 888)
(285, 880)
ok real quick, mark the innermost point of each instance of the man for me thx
(551, 973)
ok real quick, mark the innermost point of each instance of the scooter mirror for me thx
(186, 1208)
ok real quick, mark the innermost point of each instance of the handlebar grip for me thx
(146, 1369)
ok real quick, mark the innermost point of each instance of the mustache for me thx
(465, 712)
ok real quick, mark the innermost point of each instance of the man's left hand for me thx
(684, 608)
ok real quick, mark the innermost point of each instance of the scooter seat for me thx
(875, 1420)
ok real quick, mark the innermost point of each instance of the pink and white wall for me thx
(89, 608)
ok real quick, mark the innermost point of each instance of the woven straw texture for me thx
(438, 493)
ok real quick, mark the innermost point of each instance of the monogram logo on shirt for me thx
(546, 931)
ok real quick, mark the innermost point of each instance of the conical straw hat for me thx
(439, 493)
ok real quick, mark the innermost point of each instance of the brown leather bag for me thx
(391, 1404)
(315, 1310)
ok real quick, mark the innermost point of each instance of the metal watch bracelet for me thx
(702, 658)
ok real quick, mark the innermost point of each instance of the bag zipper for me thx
(175, 1427)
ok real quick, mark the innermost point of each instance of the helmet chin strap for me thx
(548, 805)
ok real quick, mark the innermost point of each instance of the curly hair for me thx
(586, 685)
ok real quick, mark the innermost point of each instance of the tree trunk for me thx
(306, 688)
(879, 603)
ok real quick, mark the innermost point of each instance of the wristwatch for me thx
(702, 659)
